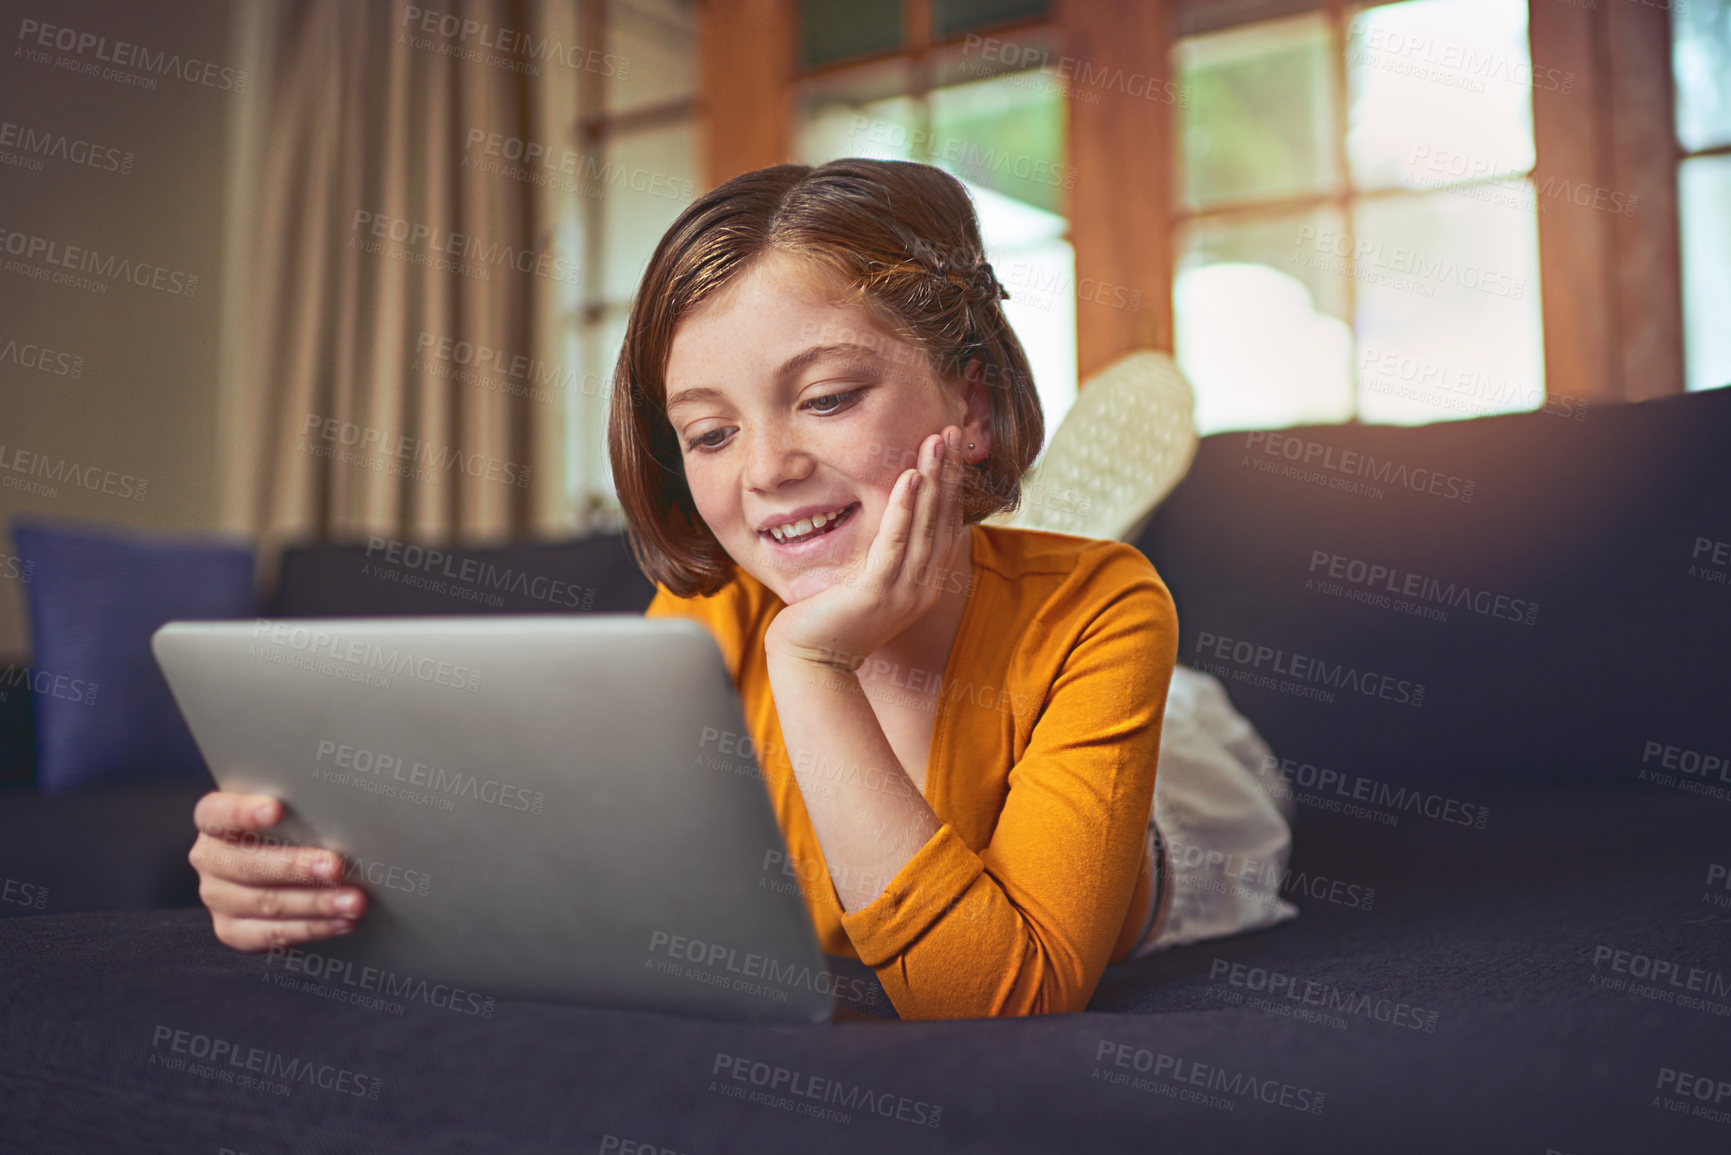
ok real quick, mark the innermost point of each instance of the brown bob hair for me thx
(903, 235)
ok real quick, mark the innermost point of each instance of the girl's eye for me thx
(833, 397)
(702, 443)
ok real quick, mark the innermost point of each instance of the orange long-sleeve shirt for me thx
(1041, 770)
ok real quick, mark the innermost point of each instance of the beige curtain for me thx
(395, 324)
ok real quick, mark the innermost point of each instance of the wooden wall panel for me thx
(1577, 245)
(746, 53)
(1611, 283)
(1643, 164)
(1120, 146)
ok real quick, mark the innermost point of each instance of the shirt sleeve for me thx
(1027, 925)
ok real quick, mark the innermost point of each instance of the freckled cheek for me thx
(721, 515)
(873, 486)
(884, 463)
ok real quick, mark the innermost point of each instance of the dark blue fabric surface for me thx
(103, 712)
(1600, 530)
(1594, 860)
(593, 574)
(1493, 936)
(100, 848)
(17, 728)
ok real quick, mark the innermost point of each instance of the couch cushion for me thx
(17, 727)
(1501, 945)
(99, 848)
(593, 574)
(103, 712)
(1518, 594)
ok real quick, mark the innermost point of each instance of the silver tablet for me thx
(546, 808)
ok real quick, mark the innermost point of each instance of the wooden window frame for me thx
(595, 129)
(1349, 195)
(1610, 286)
(750, 93)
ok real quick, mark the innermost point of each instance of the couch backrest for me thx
(593, 574)
(1533, 595)
(1538, 594)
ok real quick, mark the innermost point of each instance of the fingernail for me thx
(938, 453)
(263, 813)
(326, 869)
(349, 904)
(345, 926)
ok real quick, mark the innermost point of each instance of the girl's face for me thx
(787, 406)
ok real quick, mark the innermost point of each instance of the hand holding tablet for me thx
(260, 892)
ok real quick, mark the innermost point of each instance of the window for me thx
(636, 139)
(833, 31)
(1355, 232)
(981, 114)
(1701, 63)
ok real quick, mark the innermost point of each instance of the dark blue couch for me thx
(1494, 658)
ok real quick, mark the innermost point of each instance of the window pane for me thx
(1037, 267)
(647, 179)
(954, 17)
(832, 30)
(1440, 91)
(860, 116)
(1448, 315)
(1007, 161)
(1701, 58)
(1038, 47)
(1260, 333)
(1007, 134)
(1704, 195)
(1190, 17)
(655, 43)
(1259, 121)
(588, 471)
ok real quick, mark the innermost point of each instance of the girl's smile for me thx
(792, 537)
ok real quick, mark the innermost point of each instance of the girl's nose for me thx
(774, 458)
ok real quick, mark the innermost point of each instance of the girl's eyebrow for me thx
(847, 350)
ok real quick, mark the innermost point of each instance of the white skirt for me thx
(1220, 833)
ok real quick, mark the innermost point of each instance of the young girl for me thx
(817, 402)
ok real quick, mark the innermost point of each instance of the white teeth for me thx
(805, 525)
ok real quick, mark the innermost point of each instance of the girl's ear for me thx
(976, 421)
